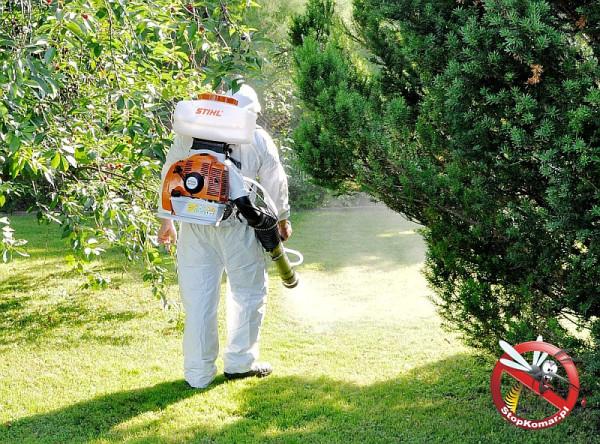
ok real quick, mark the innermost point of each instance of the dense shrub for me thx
(480, 121)
(280, 107)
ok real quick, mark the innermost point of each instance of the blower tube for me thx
(265, 227)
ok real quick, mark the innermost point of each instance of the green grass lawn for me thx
(358, 351)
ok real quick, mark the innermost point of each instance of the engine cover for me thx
(200, 176)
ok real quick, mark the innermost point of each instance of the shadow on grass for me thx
(20, 283)
(12, 304)
(446, 401)
(20, 324)
(34, 276)
(88, 419)
(44, 243)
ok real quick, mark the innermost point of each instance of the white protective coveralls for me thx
(204, 252)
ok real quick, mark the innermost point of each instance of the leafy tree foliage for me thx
(86, 92)
(280, 107)
(478, 119)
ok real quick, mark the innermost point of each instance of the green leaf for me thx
(64, 163)
(75, 29)
(192, 29)
(96, 49)
(55, 162)
(14, 142)
(102, 12)
(47, 89)
(49, 54)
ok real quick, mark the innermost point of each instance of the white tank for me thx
(215, 117)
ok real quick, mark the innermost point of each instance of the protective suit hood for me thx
(246, 97)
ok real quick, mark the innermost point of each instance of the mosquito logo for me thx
(512, 399)
(550, 395)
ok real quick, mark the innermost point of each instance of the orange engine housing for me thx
(200, 176)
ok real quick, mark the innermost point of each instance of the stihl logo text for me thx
(209, 112)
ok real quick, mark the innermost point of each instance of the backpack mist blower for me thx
(207, 187)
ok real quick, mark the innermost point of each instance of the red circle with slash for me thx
(564, 405)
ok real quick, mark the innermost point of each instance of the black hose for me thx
(265, 225)
(265, 228)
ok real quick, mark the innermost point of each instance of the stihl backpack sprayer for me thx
(207, 187)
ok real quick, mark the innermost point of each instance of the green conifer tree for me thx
(480, 120)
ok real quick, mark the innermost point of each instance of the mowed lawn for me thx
(358, 351)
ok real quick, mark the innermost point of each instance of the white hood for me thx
(247, 98)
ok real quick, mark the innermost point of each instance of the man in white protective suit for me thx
(205, 251)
